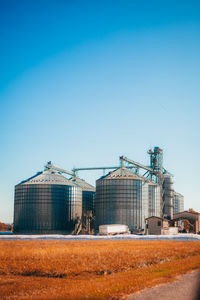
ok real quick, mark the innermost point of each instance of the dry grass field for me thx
(90, 269)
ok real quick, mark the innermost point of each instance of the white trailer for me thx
(113, 229)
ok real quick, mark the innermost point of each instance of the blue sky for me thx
(82, 82)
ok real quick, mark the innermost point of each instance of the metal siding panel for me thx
(120, 201)
(46, 208)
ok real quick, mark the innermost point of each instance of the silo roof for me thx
(48, 177)
(122, 173)
(178, 194)
(83, 184)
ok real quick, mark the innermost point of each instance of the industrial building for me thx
(130, 193)
(187, 221)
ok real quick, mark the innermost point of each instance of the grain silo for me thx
(121, 198)
(178, 203)
(47, 203)
(168, 194)
(154, 200)
(88, 194)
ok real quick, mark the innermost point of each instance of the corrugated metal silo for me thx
(168, 194)
(88, 194)
(121, 198)
(154, 199)
(178, 202)
(47, 203)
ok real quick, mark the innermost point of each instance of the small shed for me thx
(156, 225)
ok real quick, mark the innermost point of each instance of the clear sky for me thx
(82, 82)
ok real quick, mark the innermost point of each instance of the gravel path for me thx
(187, 287)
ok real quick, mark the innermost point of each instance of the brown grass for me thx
(90, 269)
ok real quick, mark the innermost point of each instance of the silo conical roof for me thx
(83, 184)
(121, 173)
(124, 173)
(48, 177)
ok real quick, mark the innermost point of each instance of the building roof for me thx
(48, 177)
(154, 217)
(188, 211)
(186, 215)
(83, 184)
